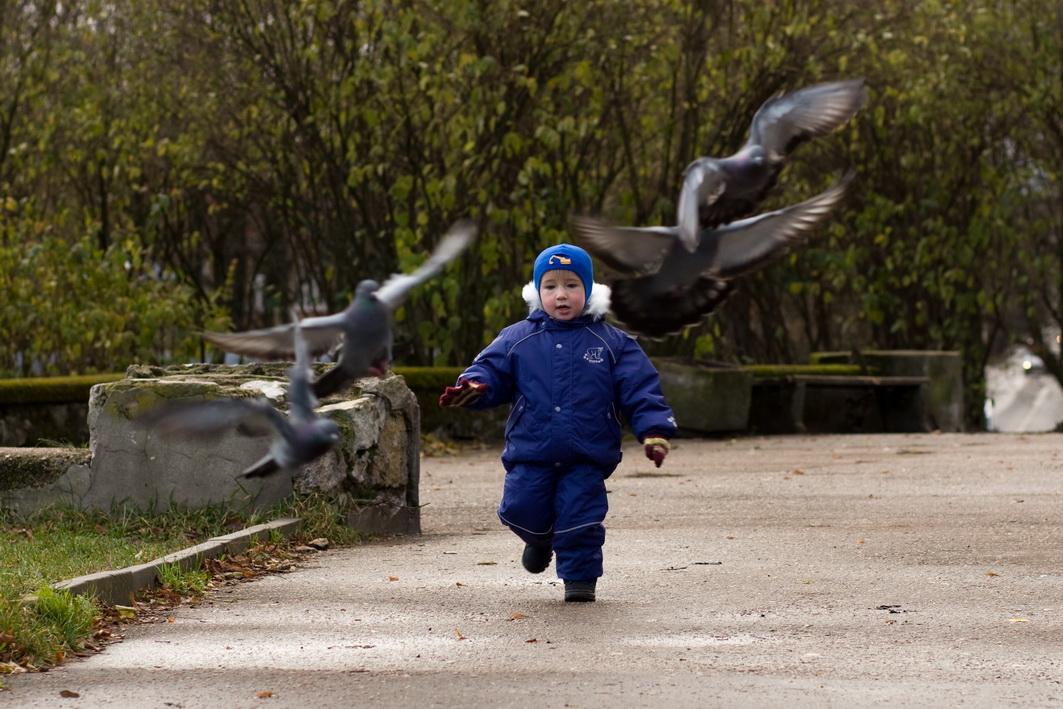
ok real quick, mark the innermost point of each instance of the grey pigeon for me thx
(364, 327)
(668, 288)
(300, 438)
(719, 190)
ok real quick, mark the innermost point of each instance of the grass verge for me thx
(58, 544)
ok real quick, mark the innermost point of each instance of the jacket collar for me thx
(597, 306)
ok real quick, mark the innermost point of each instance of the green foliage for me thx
(272, 155)
(76, 309)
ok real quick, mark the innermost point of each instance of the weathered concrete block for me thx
(34, 478)
(376, 464)
(706, 396)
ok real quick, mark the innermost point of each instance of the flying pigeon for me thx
(716, 191)
(300, 438)
(668, 288)
(364, 326)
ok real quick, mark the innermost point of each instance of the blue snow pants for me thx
(560, 508)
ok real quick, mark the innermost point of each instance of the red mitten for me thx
(656, 449)
(464, 393)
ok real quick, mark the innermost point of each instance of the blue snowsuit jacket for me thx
(569, 384)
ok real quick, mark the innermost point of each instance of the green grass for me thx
(64, 543)
(42, 632)
(184, 583)
(60, 544)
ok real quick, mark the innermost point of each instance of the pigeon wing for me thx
(393, 291)
(703, 183)
(322, 334)
(786, 121)
(625, 249)
(301, 399)
(214, 417)
(746, 245)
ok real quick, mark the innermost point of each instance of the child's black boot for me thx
(536, 559)
(580, 591)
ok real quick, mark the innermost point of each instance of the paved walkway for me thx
(829, 571)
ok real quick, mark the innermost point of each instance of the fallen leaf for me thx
(729, 537)
(6, 638)
(458, 583)
(170, 619)
(460, 636)
(393, 578)
(1018, 620)
(264, 695)
(126, 611)
(860, 541)
(517, 616)
(68, 693)
(797, 472)
(532, 640)
(990, 573)
(486, 563)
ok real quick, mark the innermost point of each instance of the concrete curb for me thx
(117, 586)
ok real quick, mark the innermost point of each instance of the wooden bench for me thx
(844, 403)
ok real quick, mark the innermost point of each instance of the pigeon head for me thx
(367, 287)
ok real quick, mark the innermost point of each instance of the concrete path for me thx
(799, 571)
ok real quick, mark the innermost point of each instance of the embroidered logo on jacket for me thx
(594, 355)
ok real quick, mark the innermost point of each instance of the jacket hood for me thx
(597, 305)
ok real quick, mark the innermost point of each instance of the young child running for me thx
(569, 377)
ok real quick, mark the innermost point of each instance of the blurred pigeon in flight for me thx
(668, 288)
(364, 327)
(719, 190)
(300, 438)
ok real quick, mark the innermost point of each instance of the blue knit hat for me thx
(565, 257)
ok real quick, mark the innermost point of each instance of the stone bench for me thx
(841, 403)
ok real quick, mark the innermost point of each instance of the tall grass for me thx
(42, 632)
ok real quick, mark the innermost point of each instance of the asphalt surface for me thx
(801, 571)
